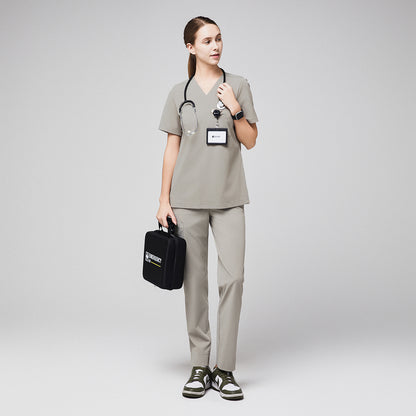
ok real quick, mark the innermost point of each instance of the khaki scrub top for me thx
(208, 176)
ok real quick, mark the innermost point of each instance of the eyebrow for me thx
(208, 37)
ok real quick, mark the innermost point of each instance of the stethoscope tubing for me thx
(186, 88)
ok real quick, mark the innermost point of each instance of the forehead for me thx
(207, 31)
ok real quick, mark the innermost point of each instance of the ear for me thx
(190, 48)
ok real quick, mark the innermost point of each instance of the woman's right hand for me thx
(164, 210)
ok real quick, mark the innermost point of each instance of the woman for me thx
(203, 183)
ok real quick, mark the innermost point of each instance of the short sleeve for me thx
(170, 122)
(245, 99)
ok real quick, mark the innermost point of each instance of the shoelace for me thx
(228, 377)
(196, 374)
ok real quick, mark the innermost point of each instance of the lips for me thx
(215, 55)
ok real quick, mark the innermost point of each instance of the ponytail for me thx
(191, 65)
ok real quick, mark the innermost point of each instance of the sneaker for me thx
(223, 381)
(199, 381)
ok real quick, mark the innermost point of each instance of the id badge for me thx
(217, 135)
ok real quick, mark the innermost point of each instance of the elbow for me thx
(251, 144)
(252, 141)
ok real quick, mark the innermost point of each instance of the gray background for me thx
(328, 319)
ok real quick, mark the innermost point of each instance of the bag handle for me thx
(171, 225)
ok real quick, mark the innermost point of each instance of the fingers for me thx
(166, 210)
(173, 218)
(160, 219)
(164, 220)
(225, 93)
(225, 86)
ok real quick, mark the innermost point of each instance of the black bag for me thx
(164, 257)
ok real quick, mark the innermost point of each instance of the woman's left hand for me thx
(226, 94)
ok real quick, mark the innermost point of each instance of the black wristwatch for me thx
(238, 115)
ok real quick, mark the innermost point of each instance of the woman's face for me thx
(208, 44)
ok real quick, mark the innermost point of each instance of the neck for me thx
(204, 71)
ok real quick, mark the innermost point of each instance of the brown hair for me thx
(189, 37)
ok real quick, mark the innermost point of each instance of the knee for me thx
(233, 281)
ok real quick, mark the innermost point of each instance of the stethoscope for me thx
(216, 112)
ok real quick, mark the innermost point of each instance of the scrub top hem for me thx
(210, 206)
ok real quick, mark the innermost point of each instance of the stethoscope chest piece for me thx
(220, 105)
(189, 107)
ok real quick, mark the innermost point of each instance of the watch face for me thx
(239, 115)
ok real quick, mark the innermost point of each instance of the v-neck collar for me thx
(209, 92)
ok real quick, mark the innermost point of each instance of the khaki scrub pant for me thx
(228, 229)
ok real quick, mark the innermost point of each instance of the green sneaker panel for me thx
(224, 382)
(198, 382)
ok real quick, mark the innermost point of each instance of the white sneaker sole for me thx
(187, 393)
(233, 396)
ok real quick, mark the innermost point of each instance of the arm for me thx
(246, 132)
(169, 162)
